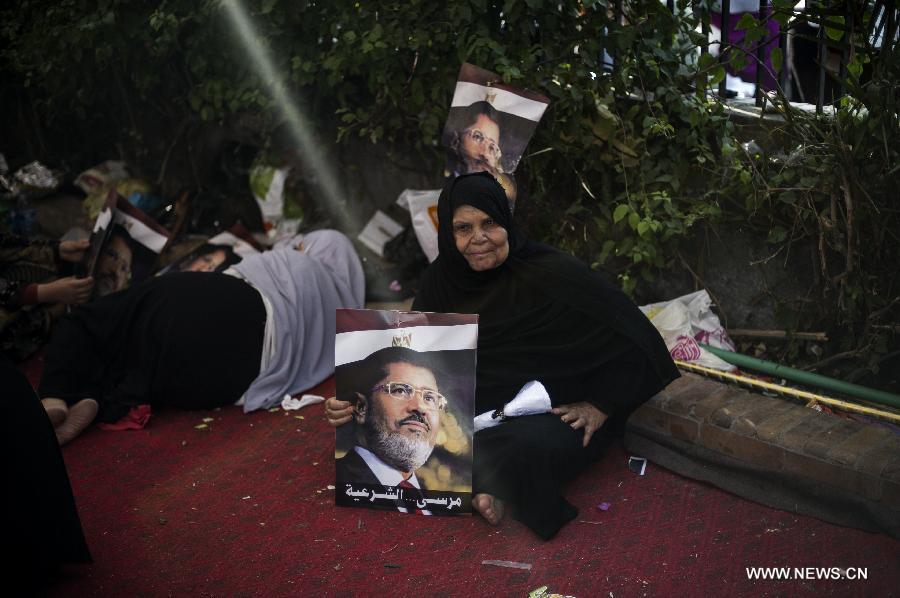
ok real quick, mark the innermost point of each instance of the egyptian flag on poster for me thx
(410, 378)
(489, 125)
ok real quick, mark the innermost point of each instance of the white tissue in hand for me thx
(531, 399)
(289, 403)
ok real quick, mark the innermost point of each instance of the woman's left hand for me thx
(581, 415)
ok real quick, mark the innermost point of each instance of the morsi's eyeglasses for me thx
(402, 391)
(482, 139)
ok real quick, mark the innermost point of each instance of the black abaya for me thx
(190, 340)
(543, 315)
(41, 528)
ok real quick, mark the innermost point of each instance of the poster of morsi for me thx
(410, 378)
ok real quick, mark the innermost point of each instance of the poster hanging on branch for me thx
(489, 126)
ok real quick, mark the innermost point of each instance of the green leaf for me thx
(633, 220)
(608, 246)
(605, 113)
(628, 151)
(642, 227)
(706, 61)
(603, 129)
(747, 21)
(777, 235)
(835, 33)
(620, 212)
(777, 57)
(738, 61)
(717, 75)
(783, 16)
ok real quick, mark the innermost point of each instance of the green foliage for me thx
(387, 70)
(832, 183)
(626, 163)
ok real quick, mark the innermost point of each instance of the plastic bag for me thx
(422, 206)
(102, 175)
(686, 321)
(267, 185)
(380, 229)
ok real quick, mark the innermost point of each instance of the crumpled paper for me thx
(531, 399)
(34, 180)
(289, 403)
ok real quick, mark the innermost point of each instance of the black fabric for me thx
(543, 315)
(527, 460)
(191, 340)
(41, 528)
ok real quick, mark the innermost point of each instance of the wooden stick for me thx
(812, 398)
(803, 336)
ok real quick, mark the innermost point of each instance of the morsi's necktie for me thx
(406, 485)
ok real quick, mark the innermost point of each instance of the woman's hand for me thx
(67, 290)
(581, 415)
(337, 412)
(73, 251)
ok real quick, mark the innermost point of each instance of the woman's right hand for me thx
(67, 290)
(338, 412)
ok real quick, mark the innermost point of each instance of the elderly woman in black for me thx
(544, 316)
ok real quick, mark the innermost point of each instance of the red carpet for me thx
(241, 508)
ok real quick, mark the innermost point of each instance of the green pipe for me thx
(773, 369)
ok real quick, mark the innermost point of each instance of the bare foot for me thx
(489, 507)
(56, 409)
(81, 414)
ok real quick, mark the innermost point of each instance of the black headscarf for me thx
(543, 314)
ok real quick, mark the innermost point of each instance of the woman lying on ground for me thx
(198, 340)
(543, 316)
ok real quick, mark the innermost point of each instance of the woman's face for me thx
(207, 262)
(479, 238)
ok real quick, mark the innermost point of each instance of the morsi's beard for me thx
(395, 449)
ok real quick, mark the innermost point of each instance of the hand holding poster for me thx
(411, 380)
